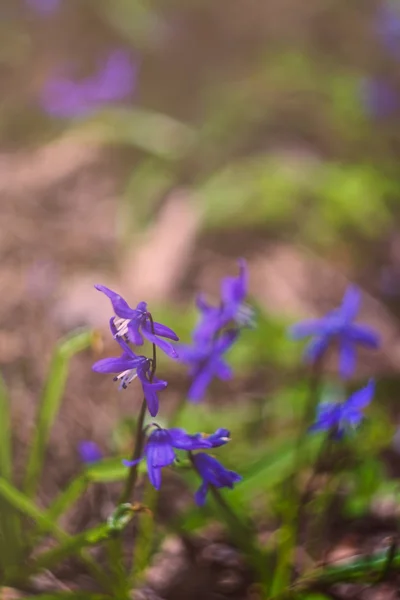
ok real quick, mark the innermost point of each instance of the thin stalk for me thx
(137, 452)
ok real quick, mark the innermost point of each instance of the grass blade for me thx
(50, 403)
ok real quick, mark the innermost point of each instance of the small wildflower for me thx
(134, 323)
(213, 473)
(379, 98)
(160, 450)
(129, 366)
(232, 308)
(341, 417)
(338, 326)
(89, 452)
(219, 438)
(63, 97)
(206, 362)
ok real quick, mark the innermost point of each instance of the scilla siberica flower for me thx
(160, 450)
(340, 417)
(213, 473)
(64, 97)
(129, 366)
(205, 361)
(337, 326)
(232, 308)
(134, 323)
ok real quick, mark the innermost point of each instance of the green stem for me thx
(137, 452)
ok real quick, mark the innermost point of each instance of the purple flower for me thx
(89, 452)
(387, 27)
(219, 437)
(134, 323)
(378, 97)
(160, 450)
(343, 416)
(129, 366)
(213, 473)
(65, 97)
(338, 326)
(44, 7)
(232, 307)
(205, 362)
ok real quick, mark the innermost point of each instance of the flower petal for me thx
(361, 398)
(234, 289)
(120, 306)
(154, 475)
(164, 331)
(222, 370)
(306, 328)
(162, 344)
(347, 358)
(225, 341)
(363, 335)
(316, 349)
(159, 450)
(351, 303)
(131, 463)
(200, 383)
(134, 335)
(116, 365)
(183, 441)
(201, 494)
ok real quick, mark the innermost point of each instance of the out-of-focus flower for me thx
(44, 7)
(64, 97)
(337, 326)
(378, 98)
(219, 438)
(213, 473)
(340, 417)
(89, 452)
(129, 366)
(205, 362)
(160, 450)
(134, 323)
(232, 308)
(387, 26)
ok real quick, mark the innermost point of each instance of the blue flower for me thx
(340, 417)
(134, 323)
(338, 326)
(213, 473)
(64, 97)
(232, 308)
(206, 362)
(160, 450)
(89, 452)
(379, 98)
(129, 366)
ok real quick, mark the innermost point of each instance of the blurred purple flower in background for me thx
(44, 7)
(89, 452)
(378, 97)
(64, 97)
(388, 27)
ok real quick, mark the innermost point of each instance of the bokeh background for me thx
(147, 145)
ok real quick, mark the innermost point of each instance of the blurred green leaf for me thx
(106, 471)
(49, 404)
(145, 537)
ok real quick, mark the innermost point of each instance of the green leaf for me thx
(50, 403)
(144, 541)
(67, 498)
(106, 471)
(152, 132)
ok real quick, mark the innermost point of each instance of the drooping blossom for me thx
(135, 323)
(337, 327)
(160, 449)
(205, 361)
(65, 97)
(89, 452)
(213, 473)
(340, 417)
(130, 366)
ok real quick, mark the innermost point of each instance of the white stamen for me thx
(121, 325)
(126, 377)
(245, 317)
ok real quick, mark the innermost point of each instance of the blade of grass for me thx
(145, 535)
(10, 526)
(50, 403)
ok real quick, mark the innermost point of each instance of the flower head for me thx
(129, 366)
(205, 362)
(89, 452)
(340, 417)
(338, 326)
(213, 473)
(64, 97)
(134, 323)
(160, 450)
(232, 308)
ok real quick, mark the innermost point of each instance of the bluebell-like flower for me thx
(387, 26)
(89, 452)
(213, 473)
(379, 98)
(205, 361)
(134, 323)
(232, 308)
(338, 326)
(64, 97)
(340, 417)
(129, 366)
(160, 450)
(44, 7)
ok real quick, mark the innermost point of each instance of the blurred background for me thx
(147, 145)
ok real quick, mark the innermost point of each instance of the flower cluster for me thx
(338, 328)
(217, 330)
(131, 327)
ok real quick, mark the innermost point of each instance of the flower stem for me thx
(137, 451)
